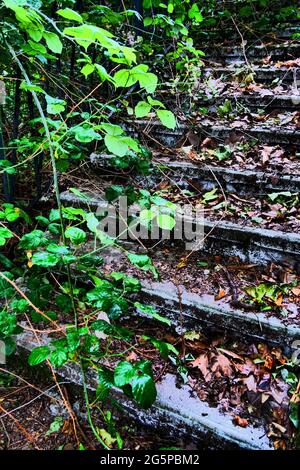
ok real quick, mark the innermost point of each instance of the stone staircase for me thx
(264, 116)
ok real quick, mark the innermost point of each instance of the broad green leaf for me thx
(142, 262)
(55, 105)
(5, 234)
(165, 222)
(53, 42)
(87, 69)
(8, 323)
(58, 357)
(86, 135)
(76, 235)
(124, 373)
(142, 109)
(149, 310)
(70, 14)
(38, 355)
(45, 260)
(32, 240)
(167, 118)
(144, 390)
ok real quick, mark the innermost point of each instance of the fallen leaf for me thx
(250, 383)
(220, 295)
(202, 364)
(238, 421)
(296, 291)
(221, 365)
(269, 362)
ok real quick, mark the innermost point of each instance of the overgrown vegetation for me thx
(75, 76)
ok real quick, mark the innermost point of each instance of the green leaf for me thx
(124, 373)
(165, 222)
(70, 14)
(194, 13)
(149, 310)
(38, 355)
(76, 235)
(144, 390)
(55, 425)
(5, 234)
(8, 323)
(123, 78)
(142, 262)
(55, 105)
(120, 145)
(32, 240)
(53, 42)
(45, 260)
(164, 348)
(167, 118)
(274, 196)
(58, 357)
(87, 69)
(142, 109)
(86, 135)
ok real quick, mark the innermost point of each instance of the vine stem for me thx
(54, 169)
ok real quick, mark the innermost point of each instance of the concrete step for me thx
(243, 182)
(216, 129)
(251, 244)
(262, 74)
(176, 411)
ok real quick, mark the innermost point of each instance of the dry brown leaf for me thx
(250, 383)
(221, 294)
(246, 368)
(202, 364)
(221, 365)
(238, 421)
(296, 291)
(231, 354)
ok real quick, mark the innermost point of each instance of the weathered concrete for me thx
(243, 182)
(267, 102)
(203, 312)
(262, 74)
(251, 244)
(221, 132)
(177, 411)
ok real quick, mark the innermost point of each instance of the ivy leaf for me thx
(142, 109)
(53, 42)
(70, 14)
(167, 118)
(144, 390)
(38, 355)
(124, 373)
(76, 235)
